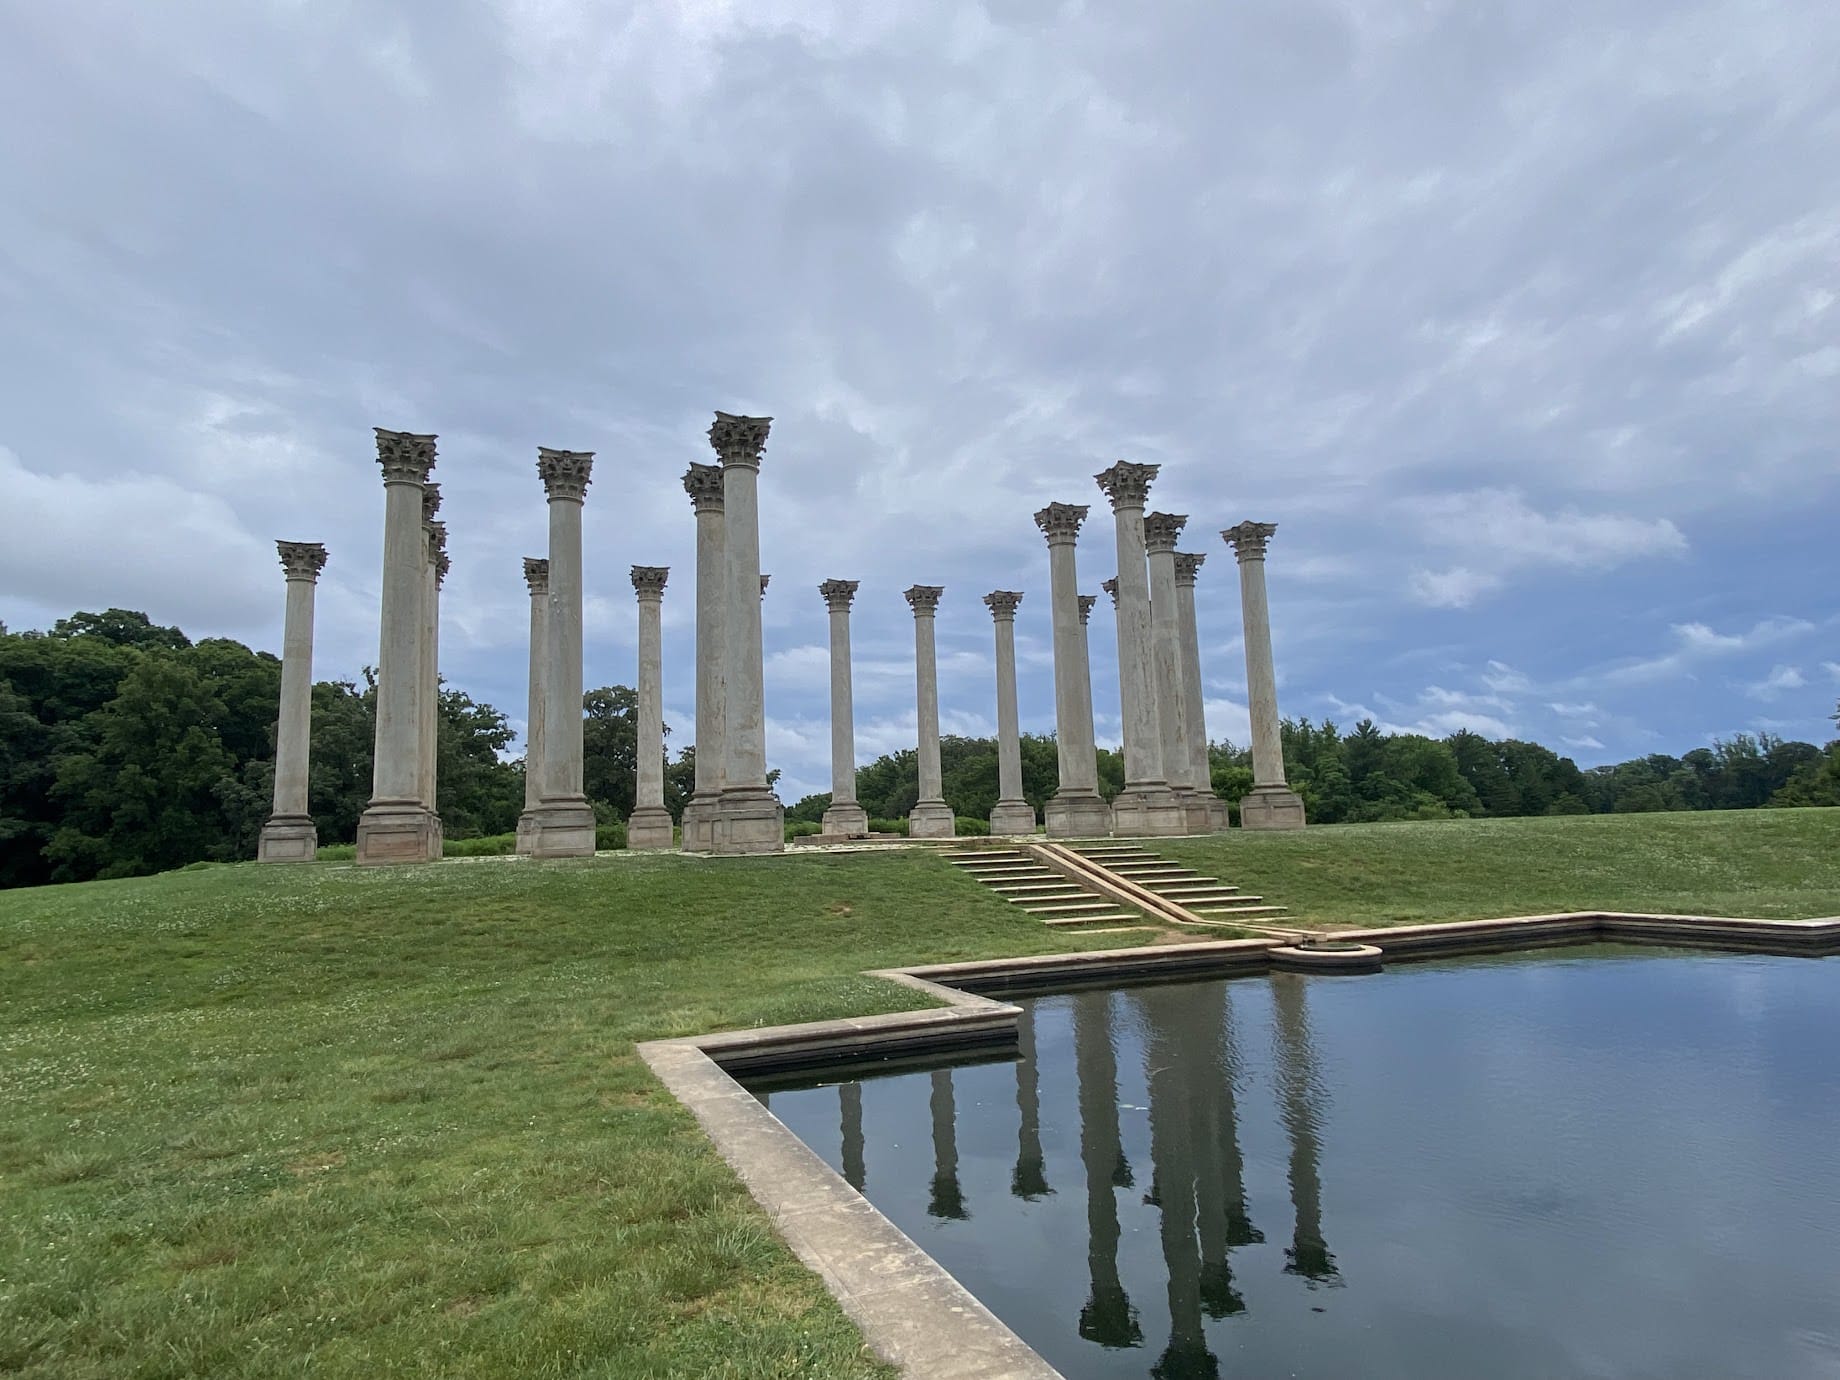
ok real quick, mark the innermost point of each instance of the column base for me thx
(1271, 807)
(1220, 816)
(1084, 815)
(398, 832)
(649, 827)
(848, 819)
(699, 824)
(1197, 815)
(750, 821)
(1012, 817)
(558, 829)
(931, 819)
(288, 838)
(1148, 812)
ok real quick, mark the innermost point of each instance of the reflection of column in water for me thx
(849, 1104)
(1220, 1190)
(1108, 1317)
(1172, 1171)
(946, 1200)
(1030, 1179)
(1301, 1096)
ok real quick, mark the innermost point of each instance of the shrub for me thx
(337, 852)
(887, 826)
(608, 837)
(970, 828)
(488, 846)
(802, 828)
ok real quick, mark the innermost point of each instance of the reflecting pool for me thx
(1584, 1162)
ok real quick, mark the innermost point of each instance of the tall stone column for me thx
(397, 826)
(289, 834)
(931, 817)
(649, 825)
(1270, 804)
(1146, 805)
(1161, 531)
(1012, 813)
(749, 817)
(1077, 810)
(704, 485)
(845, 816)
(562, 826)
(536, 577)
(428, 722)
(1200, 765)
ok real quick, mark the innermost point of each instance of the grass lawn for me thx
(316, 1121)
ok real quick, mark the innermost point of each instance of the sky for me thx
(1520, 321)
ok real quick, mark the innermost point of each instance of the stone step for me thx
(1012, 860)
(994, 855)
(1068, 907)
(1187, 888)
(1033, 888)
(1160, 874)
(1072, 893)
(1228, 912)
(1071, 922)
(1115, 853)
(1119, 929)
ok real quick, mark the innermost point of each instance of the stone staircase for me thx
(1059, 901)
(1192, 890)
(1044, 893)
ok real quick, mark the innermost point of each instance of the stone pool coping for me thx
(914, 1314)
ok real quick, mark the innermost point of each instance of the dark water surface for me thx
(1585, 1162)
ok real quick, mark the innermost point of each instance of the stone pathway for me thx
(1065, 903)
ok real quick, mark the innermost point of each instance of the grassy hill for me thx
(317, 1121)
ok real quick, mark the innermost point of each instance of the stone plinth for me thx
(289, 834)
(931, 817)
(397, 825)
(1271, 807)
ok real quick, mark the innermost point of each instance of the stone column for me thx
(289, 834)
(1108, 1317)
(428, 721)
(704, 485)
(1161, 531)
(1270, 804)
(947, 1198)
(1077, 810)
(649, 825)
(1146, 805)
(1300, 1098)
(850, 1129)
(844, 816)
(562, 826)
(749, 817)
(1200, 765)
(1012, 814)
(396, 825)
(931, 817)
(536, 577)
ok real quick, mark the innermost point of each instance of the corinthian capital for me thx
(436, 533)
(564, 472)
(1060, 522)
(839, 594)
(1003, 603)
(704, 485)
(923, 599)
(406, 457)
(648, 580)
(739, 440)
(431, 501)
(765, 580)
(1248, 540)
(1111, 588)
(1188, 565)
(302, 560)
(1127, 485)
(1086, 607)
(1163, 530)
(536, 574)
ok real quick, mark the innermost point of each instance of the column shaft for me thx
(704, 485)
(1013, 814)
(289, 834)
(562, 826)
(845, 815)
(649, 825)
(1271, 804)
(1200, 766)
(930, 817)
(1076, 809)
(533, 727)
(428, 717)
(397, 825)
(1161, 531)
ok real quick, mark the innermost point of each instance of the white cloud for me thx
(1584, 742)
(1696, 643)
(1781, 678)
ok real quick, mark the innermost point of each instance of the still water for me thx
(1584, 1162)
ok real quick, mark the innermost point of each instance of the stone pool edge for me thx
(912, 1312)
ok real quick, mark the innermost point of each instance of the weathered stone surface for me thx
(845, 817)
(1271, 804)
(562, 824)
(536, 577)
(704, 485)
(649, 826)
(289, 834)
(1012, 814)
(1076, 809)
(931, 817)
(1161, 532)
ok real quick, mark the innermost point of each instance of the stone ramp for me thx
(1044, 893)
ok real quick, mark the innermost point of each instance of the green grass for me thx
(318, 1121)
(1782, 864)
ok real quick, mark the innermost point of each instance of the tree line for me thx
(126, 748)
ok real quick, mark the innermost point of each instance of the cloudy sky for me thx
(1519, 319)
